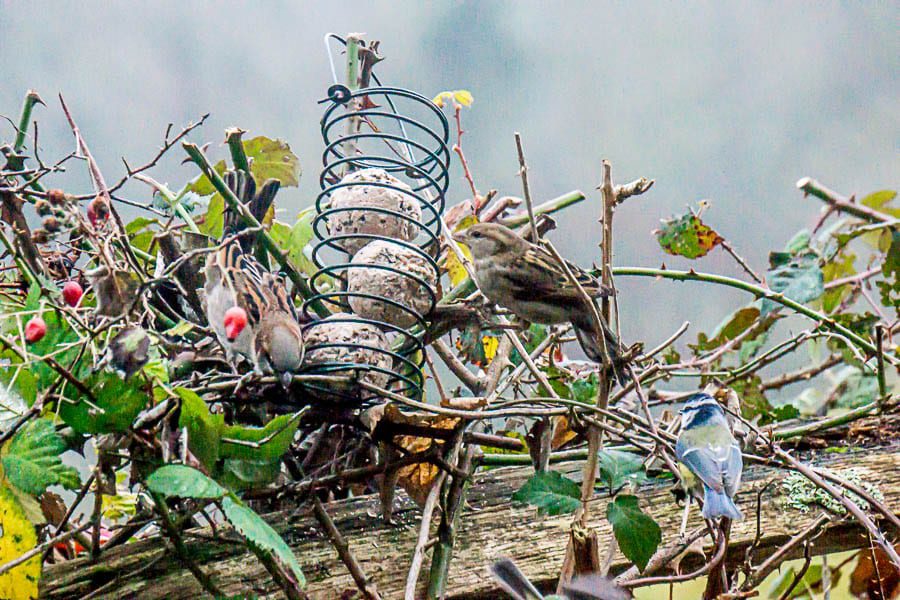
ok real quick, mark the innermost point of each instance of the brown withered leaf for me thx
(416, 479)
(873, 578)
(562, 432)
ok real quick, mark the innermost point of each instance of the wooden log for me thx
(492, 527)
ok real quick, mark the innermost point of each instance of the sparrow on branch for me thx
(249, 307)
(529, 281)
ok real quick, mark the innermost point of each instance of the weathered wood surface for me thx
(492, 527)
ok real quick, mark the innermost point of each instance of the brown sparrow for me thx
(271, 339)
(526, 279)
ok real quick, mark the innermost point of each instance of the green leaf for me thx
(531, 339)
(799, 279)
(753, 401)
(204, 429)
(734, 325)
(260, 535)
(279, 433)
(855, 389)
(213, 223)
(799, 243)
(181, 481)
(295, 238)
(880, 200)
(838, 267)
(551, 492)
(638, 535)
(202, 186)
(272, 159)
(118, 402)
(31, 459)
(687, 236)
(241, 475)
(18, 390)
(618, 468)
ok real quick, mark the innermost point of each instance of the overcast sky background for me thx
(727, 102)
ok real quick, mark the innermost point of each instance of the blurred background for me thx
(727, 103)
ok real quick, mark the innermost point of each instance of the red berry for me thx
(235, 321)
(35, 329)
(72, 293)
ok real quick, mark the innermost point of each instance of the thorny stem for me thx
(838, 202)
(181, 550)
(757, 291)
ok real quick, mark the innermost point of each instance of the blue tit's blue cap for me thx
(697, 400)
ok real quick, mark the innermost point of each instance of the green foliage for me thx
(551, 492)
(117, 404)
(272, 159)
(618, 468)
(797, 277)
(204, 429)
(31, 459)
(181, 481)
(260, 535)
(242, 457)
(637, 534)
(687, 236)
(294, 240)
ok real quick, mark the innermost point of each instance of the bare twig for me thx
(340, 544)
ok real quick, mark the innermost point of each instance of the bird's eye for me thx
(476, 234)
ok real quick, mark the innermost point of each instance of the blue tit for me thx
(710, 456)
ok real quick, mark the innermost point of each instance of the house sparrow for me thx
(272, 339)
(710, 457)
(528, 280)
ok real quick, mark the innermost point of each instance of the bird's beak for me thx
(286, 379)
(460, 237)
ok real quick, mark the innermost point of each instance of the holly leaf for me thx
(638, 535)
(687, 236)
(31, 459)
(797, 277)
(551, 492)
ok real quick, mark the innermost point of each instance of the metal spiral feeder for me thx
(415, 152)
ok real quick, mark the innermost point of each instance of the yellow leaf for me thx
(490, 344)
(439, 99)
(17, 536)
(464, 97)
(455, 269)
(461, 97)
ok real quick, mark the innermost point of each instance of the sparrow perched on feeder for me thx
(710, 457)
(526, 279)
(248, 306)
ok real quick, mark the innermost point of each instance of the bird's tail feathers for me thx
(243, 186)
(513, 581)
(607, 351)
(719, 504)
